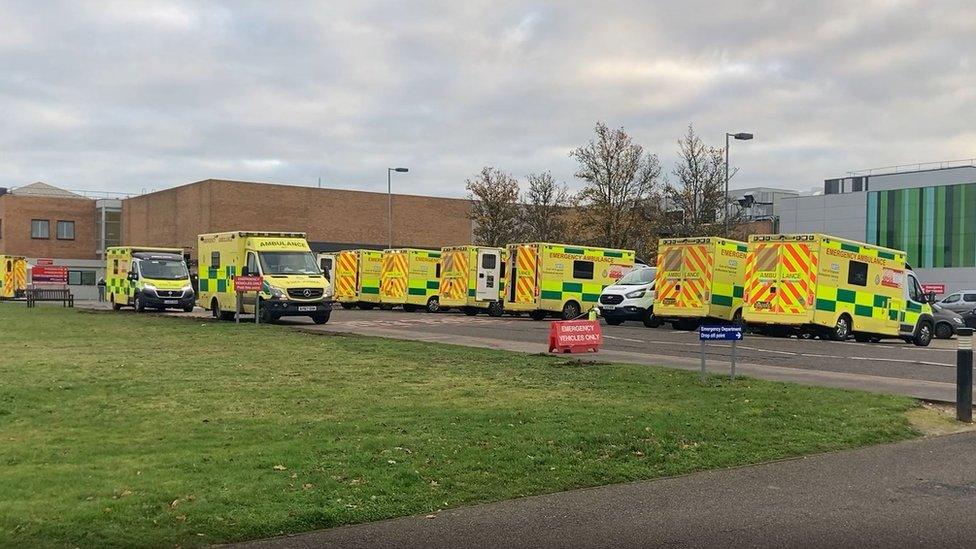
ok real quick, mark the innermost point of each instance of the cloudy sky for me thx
(133, 96)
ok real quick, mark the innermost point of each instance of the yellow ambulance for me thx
(410, 278)
(13, 276)
(357, 278)
(145, 277)
(560, 279)
(473, 279)
(834, 288)
(699, 279)
(294, 284)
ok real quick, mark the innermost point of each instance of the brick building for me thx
(41, 221)
(333, 219)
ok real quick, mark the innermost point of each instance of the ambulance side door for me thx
(914, 301)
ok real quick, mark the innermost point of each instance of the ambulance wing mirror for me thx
(930, 297)
(245, 271)
(133, 275)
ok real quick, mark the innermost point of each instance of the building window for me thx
(583, 269)
(66, 230)
(215, 260)
(40, 228)
(81, 278)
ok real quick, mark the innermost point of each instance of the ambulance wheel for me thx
(217, 313)
(496, 308)
(841, 330)
(470, 311)
(614, 321)
(348, 305)
(650, 320)
(737, 318)
(538, 315)
(115, 306)
(138, 304)
(571, 310)
(321, 318)
(188, 309)
(923, 335)
(365, 306)
(433, 305)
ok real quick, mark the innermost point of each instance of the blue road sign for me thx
(720, 333)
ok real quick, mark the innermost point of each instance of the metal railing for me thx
(920, 167)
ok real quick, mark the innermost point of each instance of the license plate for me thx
(170, 302)
(306, 308)
(608, 307)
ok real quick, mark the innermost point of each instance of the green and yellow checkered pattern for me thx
(218, 280)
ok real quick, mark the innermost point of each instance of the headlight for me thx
(188, 288)
(635, 294)
(328, 290)
(957, 320)
(149, 287)
(277, 293)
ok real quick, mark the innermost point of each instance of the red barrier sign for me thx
(49, 274)
(575, 336)
(936, 288)
(248, 283)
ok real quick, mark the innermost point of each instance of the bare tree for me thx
(619, 179)
(695, 201)
(495, 208)
(544, 209)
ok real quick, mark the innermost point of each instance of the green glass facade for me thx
(936, 226)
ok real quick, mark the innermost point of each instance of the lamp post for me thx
(741, 136)
(389, 197)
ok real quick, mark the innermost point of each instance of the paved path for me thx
(914, 494)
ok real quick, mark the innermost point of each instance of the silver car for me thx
(960, 302)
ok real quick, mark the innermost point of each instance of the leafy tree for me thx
(495, 208)
(695, 201)
(544, 209)
(619, 180)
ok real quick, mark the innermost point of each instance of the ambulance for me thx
(699, 279)
(357, 278)
(294, 284)
(473, 279)
(13, 276)
(411, 278)
(561, 280)
(145, 277)
(815, 284)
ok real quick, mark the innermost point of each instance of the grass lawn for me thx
(119, 429)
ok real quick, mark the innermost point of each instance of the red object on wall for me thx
(49, 274)
(248, 283)
(935, 288)
(575, 336)
(45, 262)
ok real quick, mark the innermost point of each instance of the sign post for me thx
(243, 284)
(49, 274)
(719, 333)
(575, 336)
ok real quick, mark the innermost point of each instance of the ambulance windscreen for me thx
(163, 269)
(288, 263)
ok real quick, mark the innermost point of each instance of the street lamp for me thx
(389, 197)
(741, 136)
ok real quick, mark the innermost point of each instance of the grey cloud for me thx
(124, 97)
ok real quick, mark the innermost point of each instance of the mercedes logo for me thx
(306, 292)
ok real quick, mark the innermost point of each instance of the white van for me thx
(631, 298)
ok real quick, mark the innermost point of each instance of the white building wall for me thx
(842, 215)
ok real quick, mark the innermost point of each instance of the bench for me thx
(34, 295)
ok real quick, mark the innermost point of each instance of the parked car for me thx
(631, 298)
(960, 302)
(946, 321)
